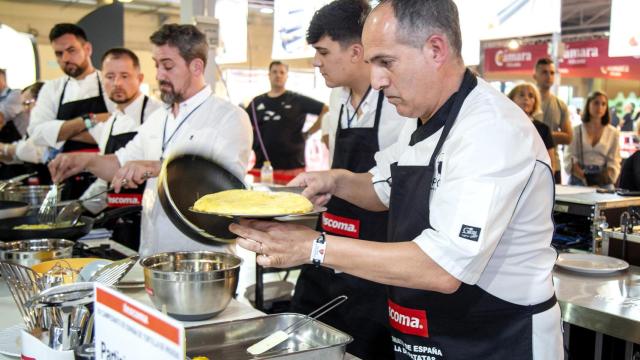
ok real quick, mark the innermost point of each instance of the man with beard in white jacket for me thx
(194, 121)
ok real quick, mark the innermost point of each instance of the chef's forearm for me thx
(357, 189)
(71, 128)
(104, 166)
(401, 264)
(84, 137)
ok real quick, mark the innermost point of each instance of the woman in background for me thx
(527, 97)
(593, 157)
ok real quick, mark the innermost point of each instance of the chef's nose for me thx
(379, 78)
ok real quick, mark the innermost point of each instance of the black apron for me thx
(468, 324)
(126, 197)
(75, 186)
(9, 132)
(364, 315)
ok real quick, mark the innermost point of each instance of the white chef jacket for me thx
(217, 130)
(495, 176)
(125, 121)
(43, 125)
(390, 122)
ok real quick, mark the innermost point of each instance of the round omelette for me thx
(256, 203)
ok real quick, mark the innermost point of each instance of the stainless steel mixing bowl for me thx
(31, 252)
(31, 194)
(191, 285)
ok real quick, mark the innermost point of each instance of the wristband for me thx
(318, 250)
(89, 120)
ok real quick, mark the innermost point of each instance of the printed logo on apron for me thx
(120, 200)
(408, 321)
(341, 225)
(437, 175)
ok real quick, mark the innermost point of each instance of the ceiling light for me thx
(266, 10)
(514, 44)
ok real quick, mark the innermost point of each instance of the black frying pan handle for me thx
(115, 213)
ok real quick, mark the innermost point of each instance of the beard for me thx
(74, 70)
(170, 96)
(120, 97)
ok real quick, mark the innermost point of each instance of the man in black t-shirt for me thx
(279, 118)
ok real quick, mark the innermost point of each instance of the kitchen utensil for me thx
(14, 180)
(48, 209)
(291, 189)
(280, 336)
(182, 181)
(31, 194)
(192, 285)
(87, 271)
(72, 211)
(11, 209)
(31, 252)
(82, 228)
(229, 340)
(112, 273)
(23, 284)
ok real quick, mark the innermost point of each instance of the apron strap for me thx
(378, 109)
(544, 306)
(64, 89)
(469, 82)
(144, 106)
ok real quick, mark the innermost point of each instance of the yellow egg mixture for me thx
(250, 202)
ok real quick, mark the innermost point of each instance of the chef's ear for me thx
(357, 52)
(88, 48)
(197, 66)
(140, 77)
(436, 48)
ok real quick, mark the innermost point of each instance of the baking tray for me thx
(230, 340)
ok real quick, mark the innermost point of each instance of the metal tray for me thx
(230, 340)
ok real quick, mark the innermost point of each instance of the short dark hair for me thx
(276, 63)
(544, 61)
(341, 20)
(118, 53)
(419, 19)
(190, 42)
(3, 72)
(586, 116)
(61, 29)
(34, 89)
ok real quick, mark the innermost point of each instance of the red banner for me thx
(590, 59)
(521, 60)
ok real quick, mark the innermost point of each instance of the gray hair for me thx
(420, 19)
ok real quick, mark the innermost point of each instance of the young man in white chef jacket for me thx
(470, 193)
(194, 121)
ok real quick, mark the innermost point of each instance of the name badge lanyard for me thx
(350, 118)
(164, 130)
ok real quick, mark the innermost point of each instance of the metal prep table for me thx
(594, 206)
(606, 304)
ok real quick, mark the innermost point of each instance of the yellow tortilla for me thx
(63, 224)
(256, 203)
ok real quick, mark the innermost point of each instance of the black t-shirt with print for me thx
(280, 121)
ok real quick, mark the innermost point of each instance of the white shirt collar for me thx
(134, 108)
(366, 104)
(185, 107)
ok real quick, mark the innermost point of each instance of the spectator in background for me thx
(13, 123)
(24, 155)
(554, 112)
(627, 118)
(593, 158)
(526, 96)
(278, 117)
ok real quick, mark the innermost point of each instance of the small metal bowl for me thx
(191, 285)
(35, 251)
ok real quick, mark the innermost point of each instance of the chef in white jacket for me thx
(194, 121)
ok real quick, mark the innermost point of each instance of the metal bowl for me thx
(32, 252)
(31, 194)
(191, 285)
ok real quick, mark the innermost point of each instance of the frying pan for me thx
(11, 209)
(82, 228)
(182, 181)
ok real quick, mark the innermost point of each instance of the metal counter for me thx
(607, 304)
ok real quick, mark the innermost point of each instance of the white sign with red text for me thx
(128, 329)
